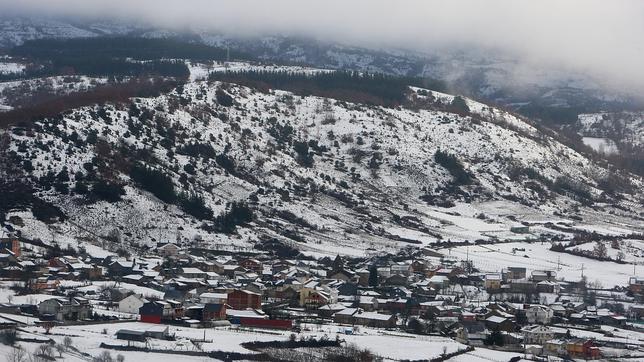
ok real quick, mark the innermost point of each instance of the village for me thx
(421, 292)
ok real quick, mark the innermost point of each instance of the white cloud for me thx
(604, 38)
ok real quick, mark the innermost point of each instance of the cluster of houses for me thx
(514, 309)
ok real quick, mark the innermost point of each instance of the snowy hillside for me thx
(622, 127)
(319, 175)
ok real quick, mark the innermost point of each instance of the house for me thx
(418, 267)
(66, 309)
(251, 264)
(559, 309)
(345, 316)
(131, 336)
(209, 266)
(131, 304)
(547, 286)
(438, 281)
(11, 244)
(89, 271)
(213, 298)
(374, 319)
(472, 333)
(511, 273)
(194, 273)
(368, 303)
(327, 311)
(243, 299)
(522, 286)
(120, 268)
(158, 332)
(212, 311)
(151, 312)
(403, 269)
(539, 314)
(541, 275)
(493, 281)
(313, 298)
(399, 305)
(496, 323)
(235, 315)
(357, 316)
(555, 347)
(537, 334)
(156, 311)
(344, 275)
(168, 250)
(637, 311)
(636, 285)
(287, 294)
(582, 348)
(363, 277)
(396, 279)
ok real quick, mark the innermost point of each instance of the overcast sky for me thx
(604, 38)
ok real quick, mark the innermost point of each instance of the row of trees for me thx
(115, 56)
(366, 88)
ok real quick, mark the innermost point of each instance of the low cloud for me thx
(601, 38)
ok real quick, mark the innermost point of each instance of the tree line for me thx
(349, 86)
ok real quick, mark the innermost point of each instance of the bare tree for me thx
(67, 341)
(600, 250)
(105, 356)
(18, 354)
(45, 350)
(60, 349)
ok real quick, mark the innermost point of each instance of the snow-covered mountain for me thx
(319, 175)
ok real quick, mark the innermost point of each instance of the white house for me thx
(131, 304)
(537, 334)
(539, 314)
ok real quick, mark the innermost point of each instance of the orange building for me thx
(582, 348)
(243, 299)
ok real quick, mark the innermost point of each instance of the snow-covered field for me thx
(389, 345)
(11, 68)
(537, 256)
(621, 127)
(602, 145)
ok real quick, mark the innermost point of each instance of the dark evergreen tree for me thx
(373, 276)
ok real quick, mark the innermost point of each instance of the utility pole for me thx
(582, 270)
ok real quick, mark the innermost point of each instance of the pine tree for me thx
(373, 276)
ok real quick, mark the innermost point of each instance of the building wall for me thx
(151, 319)
(130, 305)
